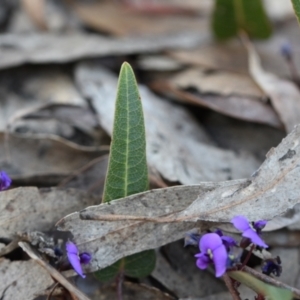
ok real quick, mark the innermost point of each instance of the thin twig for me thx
(234, 293)
(74, 291)
(10, 247)
(120, 279)
(272, 281)
(52, 291)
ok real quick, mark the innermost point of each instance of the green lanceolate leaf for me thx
(267, 290)
(127, 170)
(231, 16)
(224, 23)
(136, 266)
(296, 5)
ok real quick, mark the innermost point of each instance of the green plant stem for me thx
(234, 293)
(272, 281)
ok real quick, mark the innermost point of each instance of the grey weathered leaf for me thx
(102, 238)
(19, 278)
(122, 229)
(17, 49)
(30, 209)
(176, 144)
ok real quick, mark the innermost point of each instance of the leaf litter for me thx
(55, 129)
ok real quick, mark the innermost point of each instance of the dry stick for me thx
(53, 272)
(52, 291)
(272, 281)
(10, 247)
(234, 293)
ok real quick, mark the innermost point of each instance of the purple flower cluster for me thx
(5, 181)
(216, 248)
(76, 259)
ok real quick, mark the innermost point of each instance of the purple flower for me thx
(77, 259)
(272, 266)
(228, 241)
(5, 181)
(250, 231)
(212, 251)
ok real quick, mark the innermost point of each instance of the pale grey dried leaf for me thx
(20, 278)
(17, 49)
(108, 241)
(270, 192)
(30, 209)
(177, 146)
(44, 156)
(284, 94)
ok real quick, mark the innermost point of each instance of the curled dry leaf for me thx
(177, 146)
(229, 93)
(19, 278)
(29, 209)
(126, 226)
(284, 94)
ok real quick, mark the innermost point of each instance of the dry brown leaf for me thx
(36, 10)
(20, 278)
(284, 94)
(177, 146)
(30, 209)
(270, 192)
(228, 93)
(17, 49)
(114, 18)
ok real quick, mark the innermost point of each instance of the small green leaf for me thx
(267, 290)
(230, 16)
(140, 264)
(296, 5)
(127, 170)
(137, 266)
(109, 273)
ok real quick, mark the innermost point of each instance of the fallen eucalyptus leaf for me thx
(17, 49)
(127, 226)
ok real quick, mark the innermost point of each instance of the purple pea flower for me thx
(5, 181)
(250, 231)
(77, 259)
(212, 251)
(228, 241)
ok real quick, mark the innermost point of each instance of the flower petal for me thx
(240, 223)
(228, 241)
(75, 262)
(71, 248)
(210, 241)
(85, 258)
(203, 261)
(259, 225)
(220, 260)
(255, 238)
(5, 181)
